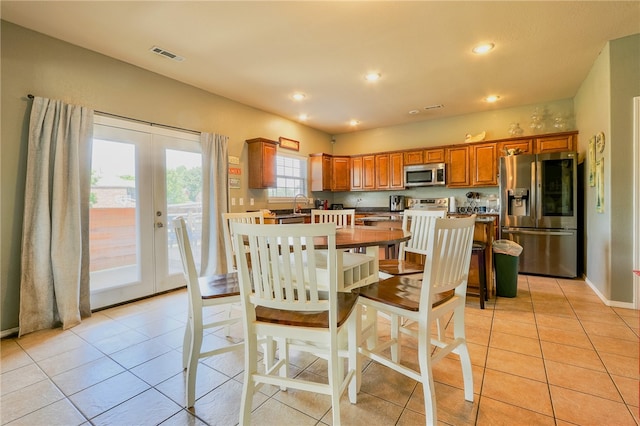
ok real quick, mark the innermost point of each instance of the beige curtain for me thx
(214, 202)
(54, 286)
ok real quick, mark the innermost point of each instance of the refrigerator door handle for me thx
(554, 233)
(535, 183)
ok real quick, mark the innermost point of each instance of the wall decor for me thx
(592, 161)
(600, 142)
(234, 183)
(600, 185)
(289, 144)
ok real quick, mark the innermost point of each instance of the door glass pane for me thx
(184, 198)
(557, 187)
(112, 216)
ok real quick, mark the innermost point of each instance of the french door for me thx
(142, 178)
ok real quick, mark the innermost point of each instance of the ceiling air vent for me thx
(160, 51)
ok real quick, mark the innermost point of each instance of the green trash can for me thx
(506, 256)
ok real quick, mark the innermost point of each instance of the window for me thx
(291, 177)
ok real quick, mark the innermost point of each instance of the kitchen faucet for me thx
(296, 209)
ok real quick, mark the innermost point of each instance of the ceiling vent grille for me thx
(438, 106)
(160, 51)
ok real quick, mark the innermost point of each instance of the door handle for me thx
(554, 233)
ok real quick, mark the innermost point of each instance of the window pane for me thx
(291, 177)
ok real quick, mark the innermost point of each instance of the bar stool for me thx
(478, 251)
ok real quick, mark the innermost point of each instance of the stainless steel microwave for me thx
(424, 175)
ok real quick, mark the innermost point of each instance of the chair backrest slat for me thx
(342, 218)
(188, 264)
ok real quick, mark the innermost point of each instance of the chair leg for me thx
(395, 338)
(186, 344)
(463, 352)
(428, 387)
(192, 366)
(248, 387)
(335, 381)
(354, 327)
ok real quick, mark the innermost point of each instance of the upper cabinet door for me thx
(484, 165)
(262, 163)
(341, 176)
(557, 143)
(458, 166)
(396, 170)
(434, 155)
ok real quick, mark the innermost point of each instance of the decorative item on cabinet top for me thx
(477, 138)
(289, 144)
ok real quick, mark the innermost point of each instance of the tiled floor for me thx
(553, 355)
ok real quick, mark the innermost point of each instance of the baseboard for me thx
(9, 332)
(610, 303)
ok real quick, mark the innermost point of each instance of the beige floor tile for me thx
(477, 335)
(207, 379)
(103, 328)
(71, 359)
(583, 409)
(221, 406)
(311, 403)
(60, 413)
(27, 400)
(523, 329)
(582, 380)
(368, 411)
(576, 338)
(118, 342)
(12, 356)
(273, 412)
(183, 418)
(604, 316)
(411, 418)
(558, 322)
(509, 316)
(160, 368)
(149, 407)
(594, 328)
(510, 342)
(139, 354)
(21, 378)
(449, 372)
(387, 384)
(629, 389)
(492, 412)
(50, 344)
(478, 354)
(450, 403)
(519, 391)
(620, 365)
(87, 375)
(587, 358)
(518, 364)
(616, 346)
(107, 394)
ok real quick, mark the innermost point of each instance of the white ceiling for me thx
(259, 53)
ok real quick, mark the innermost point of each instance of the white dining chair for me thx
(418, 222)
(441, 291)
(227, 219)
(282, 298)
(216, 290)
(342, 218)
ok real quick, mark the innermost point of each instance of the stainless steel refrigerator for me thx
(539, 211)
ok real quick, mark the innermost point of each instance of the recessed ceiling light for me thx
(354, 122)
(303, 117)
(373, 76)
(298, 96)
(481, 49)
(492, 98)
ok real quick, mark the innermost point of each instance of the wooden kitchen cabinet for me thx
(525, 146)
(458, 166)
(363, 173)
(262, 163)
(414, 157)
(389, 171)
(329, 173)
(484, 164)
(556, 143)
(434, 155)
(340, 173)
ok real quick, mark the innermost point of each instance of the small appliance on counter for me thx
(319, 204)
(396, 203)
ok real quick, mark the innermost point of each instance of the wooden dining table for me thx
(365, 237)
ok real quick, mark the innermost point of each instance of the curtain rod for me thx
(166, 126)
